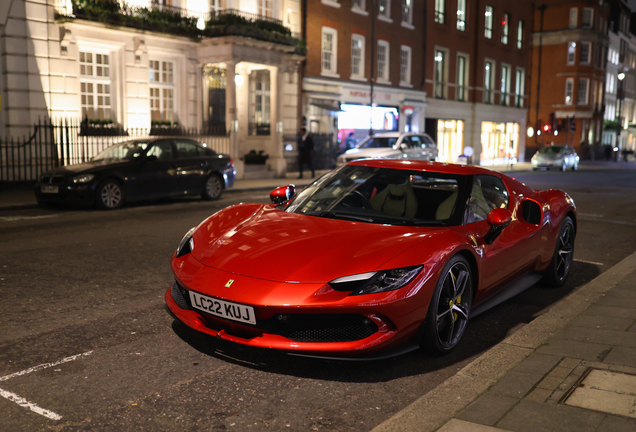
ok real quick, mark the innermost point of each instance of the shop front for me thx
(499, 143)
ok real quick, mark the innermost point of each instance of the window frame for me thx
(504, 84)
(385, 78)
(461, 92)
(588, 60)
(440, 71)
(439, 11)
(461, 15)
(408, 22)
(574, 18)
(361, 60)
(166, 98)
(520, 87)
(406, 72)
(489, 17)
(520, 30)
(265, 105)
(386, 16)
(569, 91)
(571, 57)
(333, 70)
(505, 29)
(584, 23)
(489, 79)
(587, 92)
(96, 82)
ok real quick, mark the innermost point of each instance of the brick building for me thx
(477, 62)
(571, 48)
(348, 42)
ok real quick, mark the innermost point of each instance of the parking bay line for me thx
(588, 262)
(30, 405)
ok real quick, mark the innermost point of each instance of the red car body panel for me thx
(282, 263)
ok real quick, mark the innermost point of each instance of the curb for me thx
(434, 409)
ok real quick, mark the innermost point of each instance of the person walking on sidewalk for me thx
(305, 152)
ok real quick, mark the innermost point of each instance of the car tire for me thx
(561, 263)
(213, 187)
(564, 166)
(109, 195)
(575, 166)
(449, 307)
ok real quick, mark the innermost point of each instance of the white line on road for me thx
(19, 218)
(30, 405)
(589, 262)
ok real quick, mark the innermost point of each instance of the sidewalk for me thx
(572, 369)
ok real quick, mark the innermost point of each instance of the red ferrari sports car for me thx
(371, 260)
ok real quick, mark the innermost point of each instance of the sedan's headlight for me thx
(83, 178)
(376, 282)
(187, 244)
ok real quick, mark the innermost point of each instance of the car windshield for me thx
(383, 196)
(552, 150)
(124, 151)
(377, 142)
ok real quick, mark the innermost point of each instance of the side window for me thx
(417, 142)
(161, 149)
(488, 193)
(187, 149)
(407, 141)
(429, 142)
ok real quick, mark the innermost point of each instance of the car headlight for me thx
(187, 244)
(83, 178)
(376, 282)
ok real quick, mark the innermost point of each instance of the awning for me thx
(326, 104)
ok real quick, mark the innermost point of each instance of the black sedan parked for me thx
(139, 170)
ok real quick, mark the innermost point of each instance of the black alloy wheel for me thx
(110, 195)
(213, 188)
(450, 307)
(563, 256)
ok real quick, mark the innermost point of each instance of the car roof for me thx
(396, 134)
(421, 165)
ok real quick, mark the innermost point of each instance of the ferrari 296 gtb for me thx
(373, 259)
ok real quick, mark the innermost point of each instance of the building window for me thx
(329, 51)
(571, 53)
(260, 97)
(383, 61)
(505, 28)
(384, 9)
(461, 15)
(440, 11)
(462, 72)
(505, 85)
(584, 83)
(520, 86)
(95, 86)
(574, 17)
(440, 74)
(217, 5)
(162, 91)
(488, 78)
(358, 4)
(520, 34)
(266, 8)
(587, 18)
(569, 90)
(407, 12)
(586, 52)
(488, 22)
(357, 56)
(405, 65)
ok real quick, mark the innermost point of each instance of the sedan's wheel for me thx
(213, 188)
(450, 306)
(110, 195)
(575, 166)
(564, 166)
(561, 263)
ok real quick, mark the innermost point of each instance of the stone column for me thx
(231, 116)
(278, 163)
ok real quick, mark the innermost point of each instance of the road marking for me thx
(595, 219)
(26, 404)
(592, 215)
(589, 262)
(30, 405)
(19, 218)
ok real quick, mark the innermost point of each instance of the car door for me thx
(155, 175)
(509, 254)
(192, 165)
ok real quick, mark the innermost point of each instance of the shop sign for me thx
(408, 110)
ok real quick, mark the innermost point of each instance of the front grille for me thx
(180, 296)
(54, 179)
(323, 327)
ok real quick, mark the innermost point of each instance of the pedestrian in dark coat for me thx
(305, 152)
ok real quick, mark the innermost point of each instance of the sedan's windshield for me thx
(378, 142)
(552, 150)
(124, 151)
(383, 196)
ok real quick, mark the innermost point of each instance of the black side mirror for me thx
(283, 194)
(151, 158)
(498, 219)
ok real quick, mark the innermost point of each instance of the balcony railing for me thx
(247, 15)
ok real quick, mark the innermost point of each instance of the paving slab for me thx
(530, 416)
(616, 338)
(606, 391)
(579, 350)
(573, 333)
(617, 424)
(463, 426)
(602, 322)
(537, 364)
(516, 384)
(622, 356)
(488, 409)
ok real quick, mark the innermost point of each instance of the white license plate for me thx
(49, 189)
(223, 309)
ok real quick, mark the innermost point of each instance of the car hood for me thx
(384, 152)
(260, 241)
(86, 167)
(549, 156)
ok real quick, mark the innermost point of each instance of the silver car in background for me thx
(560, 157)
(393, 145)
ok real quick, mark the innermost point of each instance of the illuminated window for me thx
(383, 61)
(488, 81)
(440, 74)
(488, 22)
(357, 56)
(571, 53)
(505, 85)
(519, 87)
(329, 51)
(440, 11)
(95, 86)
(569, 90)
(384, 9)
(505, 28)
(162, 90)
(266, 8)
(462, 73)
(520, 34)
(407, 12)
(461, 15)
(405, 65)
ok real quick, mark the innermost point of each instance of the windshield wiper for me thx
(337, 215)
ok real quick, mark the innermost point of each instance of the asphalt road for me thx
(90, 284)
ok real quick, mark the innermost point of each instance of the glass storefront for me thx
(499, 143)
(450, 140)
